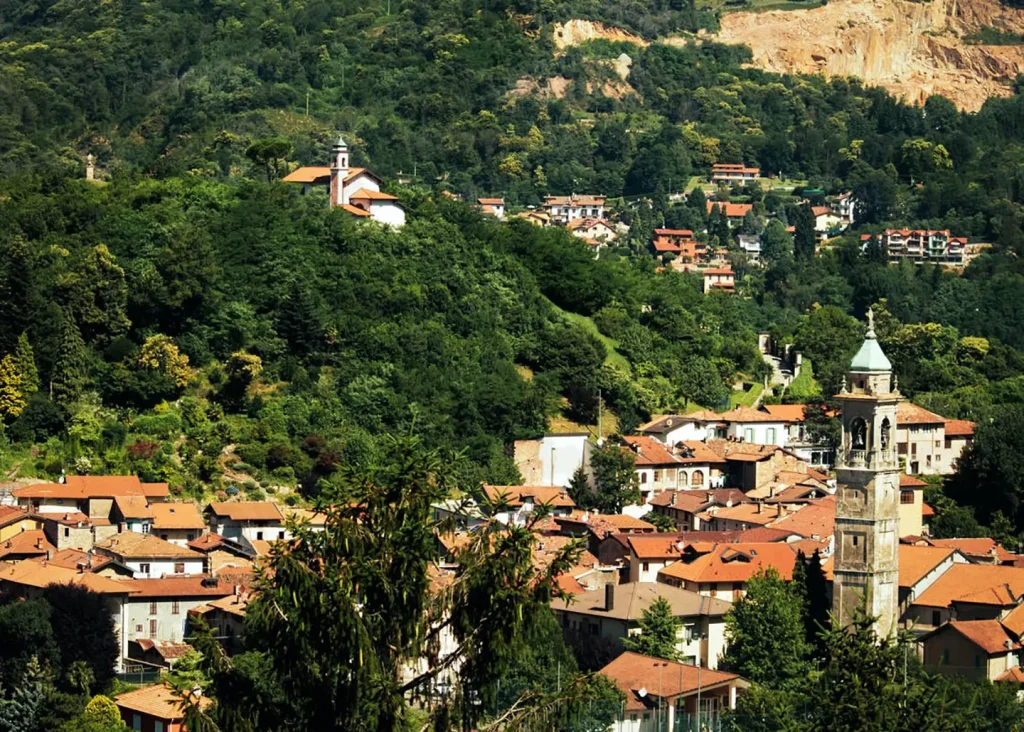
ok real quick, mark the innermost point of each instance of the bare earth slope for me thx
(913, 49)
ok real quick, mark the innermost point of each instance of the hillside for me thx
(913, 49)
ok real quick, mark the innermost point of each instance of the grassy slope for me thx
(614, 358)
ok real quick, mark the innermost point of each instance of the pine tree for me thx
(299, 322)
(816, 597)
(659, 632)
(21, 711)
(12, 390)
(25, 360)
(805, 237)
(70, 370)
(579, 489)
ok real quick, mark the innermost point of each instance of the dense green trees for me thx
(659, 632)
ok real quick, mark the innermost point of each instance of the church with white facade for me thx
(355, 190)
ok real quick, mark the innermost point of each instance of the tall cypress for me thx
(71, 369)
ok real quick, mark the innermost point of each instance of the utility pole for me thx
(307, 102)
(599, 405)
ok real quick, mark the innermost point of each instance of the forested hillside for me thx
(190, 319)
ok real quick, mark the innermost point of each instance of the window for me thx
(906, 496)
(936, 618)
(152, 628)
(594, 629)
(158, 726)
(137, 722)
(67, 532)
(856, 540)
(928, 461)
(913, 448)
(138, 628)
(684, 479)
(179, 568)
(152, 607)
(643, 478)
(191, 537)
(163, 536)
(145, 528)
(259, 536)
(632, 717)
(698, 477)
(144, 568)
(771, 436)
(175, 608)
(737, 587)
(646, 566)
(748, 434)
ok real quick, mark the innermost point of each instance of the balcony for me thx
(873, 459)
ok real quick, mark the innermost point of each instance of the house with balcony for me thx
(251, 520)
(563, 209)
(734, 173)
(661, 467)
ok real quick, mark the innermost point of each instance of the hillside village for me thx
(742, 492)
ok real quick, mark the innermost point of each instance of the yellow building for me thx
(14, 521)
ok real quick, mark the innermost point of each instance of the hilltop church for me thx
(355, 190)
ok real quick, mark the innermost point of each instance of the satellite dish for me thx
(642, 693)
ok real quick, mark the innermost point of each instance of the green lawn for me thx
(746, 398)
(614, 358)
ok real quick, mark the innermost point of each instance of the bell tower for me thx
(339, 172)
(866, 569)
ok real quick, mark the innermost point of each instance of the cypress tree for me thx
(71, 368)
(25, 360)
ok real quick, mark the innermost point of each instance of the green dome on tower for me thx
(870, 356)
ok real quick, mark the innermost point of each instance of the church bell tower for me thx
(866, 568)
(339, 172)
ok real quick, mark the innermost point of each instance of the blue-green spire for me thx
(870, 356)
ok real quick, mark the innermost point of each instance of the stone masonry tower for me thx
(867, 500)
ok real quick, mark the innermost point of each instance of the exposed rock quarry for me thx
(913, 49)
(575, 32)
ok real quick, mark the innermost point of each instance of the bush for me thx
(158, 425)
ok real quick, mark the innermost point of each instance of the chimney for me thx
(238, 590)
(122, 527)
(39, 543)
(49, 554)
(609, 597)
(1009, 592)
(759, 505)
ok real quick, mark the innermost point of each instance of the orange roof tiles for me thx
(731, 210)
(650, 451)
(959, 428)
(491, 201)
(917, 561)
(368, 194)
(735, 563)
(82, 487)
(246, 511)
(133, 507)
(815, 519)
(984, 584)
(745, 513)
(25, 544)
(600, 522)
(515, 496)
(12, 514)
(787, 412)
(909, 481)
(32, 573)
(176, 516)
(355, 210)
(1014, 621)
(976, 547)
(77, 559)
(1013, 675)
(909, 413)
(633, 672)
(988, 635)
(131, 545)
(655, 546)
(309, 174)
(159, 701)
(187, 586)
(747, 414)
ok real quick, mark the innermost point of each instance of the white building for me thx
(355, 190)
(553, 459)
(492, 207)
(563, 209)
(150, 556)
(254, 520)
(178, 523)
(158, 609)
(846, 207)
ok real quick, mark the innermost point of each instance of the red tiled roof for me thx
(633, 672)
(909, 413)
(81, 487)
(12, 514)
(246, 511)
(1014, 675)
(31, 573)
(515, 495)
(988, 635)
(959, 428)
(820, 211)
(176, 516)
(735, 563)
(927, 510)
(189, 586)
(984, 584)
(917, 561)
(816, 519)
(355, 210)
(786, 412)
(77, 559)
(131, 545)
(368, 194)
(491, 201)
(159, 701)
(650, 451)
(977, 547)
(747, 414)
(909, 481)
(26, 544)
(731, 210)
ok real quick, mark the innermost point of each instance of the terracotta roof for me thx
(731, 210)
(820, 211)
(755, 514)
(747, 414)
(133, 507)
(674, 232)
(235, 605)
(76, 559)
(73, 518)
(315, 518)
(633, 672)
(917, 561)
(168, 650)
(159, 701)
(650, 451)
(197, 585)
(959, 428)
(131, 545)
(742, 451)
(491, 201)
(32, 573)
(909, 481)
(515, 495)
(787, 412)
(988, 635)
(725, 271)
(909, 413)
(735, 563)
(246, 511)
(309, 174)
(816, 519)
(12, 514)
(978, 547)
(176, 516)
(1014, 621)
(927, 510)
(632, 598)
(81, 487)
(577, 200)
(984, 584)
(262, 547)
(355, 210)
(761, 534)
(656, 546)
(696, 500)
(26, 544)
(585, 223)
(600, 523)
(1015, 674)
(366, 193)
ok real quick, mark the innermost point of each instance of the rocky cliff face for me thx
(914, 49)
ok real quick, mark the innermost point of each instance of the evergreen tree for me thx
(84, 630)
(659, 632)
(71, 367)
(579, 489)
(765, 632)
(614, 477)
(805, 237)
(299, 321)
(17, 296)
(25, 359)
(816, 597)
(20, 712)
(12, 389)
